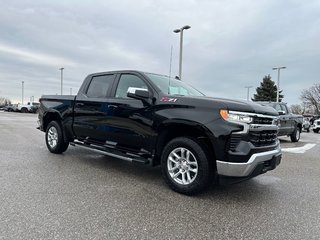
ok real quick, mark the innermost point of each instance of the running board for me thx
(110, 152)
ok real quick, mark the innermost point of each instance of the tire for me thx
(295, 136)
(54, 138)
(24, 110)
(316, 130)
(186, 167)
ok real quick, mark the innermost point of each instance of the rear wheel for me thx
(185, 166)
(24, 110)
(295, 136)
(54, 138)
(316, 130)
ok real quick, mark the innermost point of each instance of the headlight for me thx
(233, 116)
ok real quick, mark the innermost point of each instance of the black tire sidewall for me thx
(61, 145)
(294, 134)
(205, 170)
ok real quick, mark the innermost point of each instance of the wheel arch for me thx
(50, 116)
(173, 129)
(54, 116)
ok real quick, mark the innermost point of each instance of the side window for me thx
(278, 108)
(284, 108)
(99, 86)
(126, 81)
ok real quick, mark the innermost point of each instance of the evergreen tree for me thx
(267, 91)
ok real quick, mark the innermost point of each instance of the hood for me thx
(246, 106)
(228, 104)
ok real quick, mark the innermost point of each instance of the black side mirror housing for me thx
(139, 93)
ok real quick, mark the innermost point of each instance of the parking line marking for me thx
(303, 149)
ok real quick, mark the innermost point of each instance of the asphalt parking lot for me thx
(84, 195)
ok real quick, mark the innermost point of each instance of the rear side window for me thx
(99, 86)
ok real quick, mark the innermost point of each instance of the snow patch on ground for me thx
(303, 149)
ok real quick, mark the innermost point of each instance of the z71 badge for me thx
(167, 99)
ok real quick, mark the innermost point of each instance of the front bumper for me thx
(258, 163)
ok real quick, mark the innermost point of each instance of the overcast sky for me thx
(231, 44)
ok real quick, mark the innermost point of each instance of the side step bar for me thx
(110, 152)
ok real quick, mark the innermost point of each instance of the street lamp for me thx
(278, 84)
(181, 45)
(22, 91)
(248, 87)
(61, 69)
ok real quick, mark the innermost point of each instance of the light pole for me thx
(22, 92)
(61, 69)
(248, 87)
(181, 45)
(71, 91)
(278, 84)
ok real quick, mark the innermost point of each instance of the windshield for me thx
(172, 86)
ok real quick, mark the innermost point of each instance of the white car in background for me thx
(30, 107)
(316, 125)
(306, 124)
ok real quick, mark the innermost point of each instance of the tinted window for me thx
(278, 108)
(126, 81)
(284, 108)
(172, 86)
(99, 86)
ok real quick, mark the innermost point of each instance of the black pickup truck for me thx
(152, 119)
(289, 124)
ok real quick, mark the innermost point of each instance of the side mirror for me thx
(138, 93)
(281, 112)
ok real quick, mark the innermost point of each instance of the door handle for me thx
(112, 106)
(79, 104)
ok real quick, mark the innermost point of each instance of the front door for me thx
(131, 121)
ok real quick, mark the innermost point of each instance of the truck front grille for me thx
(262, 120)
(263, 138)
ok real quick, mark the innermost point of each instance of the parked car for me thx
(306, 124)
(11, 108)
(151, 119)
(289, 124)
(316, 126)
(34, 108)
(29, 107)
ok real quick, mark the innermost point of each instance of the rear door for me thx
(285, 121)
(91, 108)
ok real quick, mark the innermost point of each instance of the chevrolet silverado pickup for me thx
(152, 119)
(289, 124)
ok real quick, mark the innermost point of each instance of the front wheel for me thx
(186, 166)
(316, 130)
(54, 138)
(295, 136)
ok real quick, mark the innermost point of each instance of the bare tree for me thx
(4, 101)
(297, 109)
(311, 97)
